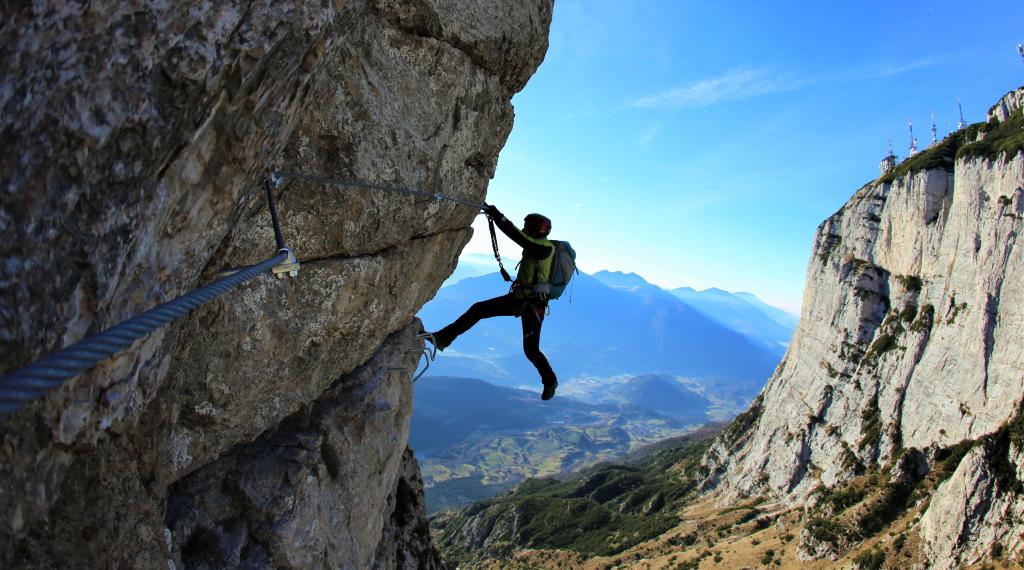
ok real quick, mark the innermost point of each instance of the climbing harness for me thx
(19, 387)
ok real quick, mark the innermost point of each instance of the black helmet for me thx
(537, 225)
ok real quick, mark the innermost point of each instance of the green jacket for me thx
(538, 254)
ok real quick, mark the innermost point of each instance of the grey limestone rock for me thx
(1010, 102)
(909, 338)
(136, 136)
(406, 541)
(285, 497)
(976, 512)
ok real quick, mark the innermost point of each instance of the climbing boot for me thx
(429, 337)
(549, 390)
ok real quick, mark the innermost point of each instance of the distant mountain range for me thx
(741, 312)
(613, 324)
(741, 315)
(784, 318)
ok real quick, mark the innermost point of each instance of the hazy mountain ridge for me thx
(783, 317)
(601, 331)
(474, 265)
(741, 312)
(661, 394)
(741, 315)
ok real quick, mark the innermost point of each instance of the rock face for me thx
(909, 339)
(406, 540)
(977, 509)
(268, 427)
(275, 501)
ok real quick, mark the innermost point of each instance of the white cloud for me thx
(745, 83)
(733, 85)
(577, 208)
(885, 70)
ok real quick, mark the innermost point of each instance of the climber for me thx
(521, 300)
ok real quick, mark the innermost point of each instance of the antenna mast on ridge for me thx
(935, 132)
(962, 122)
(913, 141)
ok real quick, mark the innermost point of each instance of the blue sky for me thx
(700, 143)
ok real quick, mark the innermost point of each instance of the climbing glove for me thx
(493, 212)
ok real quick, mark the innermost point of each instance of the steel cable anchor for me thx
(290, 265)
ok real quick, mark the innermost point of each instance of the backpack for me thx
(563, 267)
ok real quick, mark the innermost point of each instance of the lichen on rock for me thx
(135, 147)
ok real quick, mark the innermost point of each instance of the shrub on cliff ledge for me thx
(743, 422)
(1001, 139)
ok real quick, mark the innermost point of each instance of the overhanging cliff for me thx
(135, 139)
(908, 346)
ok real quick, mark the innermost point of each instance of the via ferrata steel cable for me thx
(19, 387)
(347, 183)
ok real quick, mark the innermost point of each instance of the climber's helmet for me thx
(536, 226)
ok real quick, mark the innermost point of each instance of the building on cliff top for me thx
(889, 162)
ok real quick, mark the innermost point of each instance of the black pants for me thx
(531, 313)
